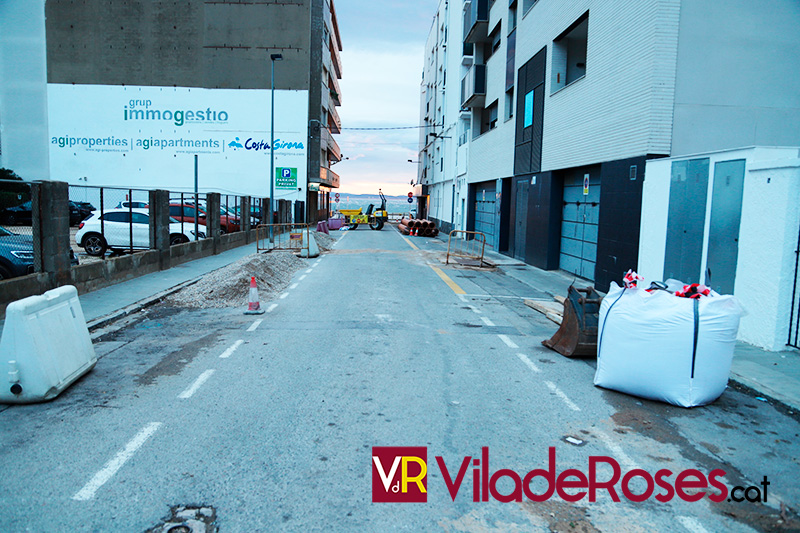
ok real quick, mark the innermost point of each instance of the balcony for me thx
(468, 55)
(473, 87)
(337, 60)
(333, 84)
(476, 21)
(328, 177)
(328, 143)
(334, 121)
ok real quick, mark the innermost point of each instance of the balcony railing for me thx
(476, 21)
(334, 121)
(328, 177)
(473, 87)
(337, 61)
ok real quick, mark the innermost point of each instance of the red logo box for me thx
(399, 474)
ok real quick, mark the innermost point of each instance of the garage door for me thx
(485, 209)
(579, 227)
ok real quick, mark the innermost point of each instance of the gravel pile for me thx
(230, 286)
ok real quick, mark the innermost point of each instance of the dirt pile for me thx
(325, 242)
(230, 285)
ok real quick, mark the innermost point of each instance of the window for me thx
(141, 218)
(188, 211)
(117, 216)
(526, 5)
(509, 103)
(512, 16)
(493, 45)
(528, 118)
(569, 54)
(174, 210)
(489, 118)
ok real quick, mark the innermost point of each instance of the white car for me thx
(114, 231)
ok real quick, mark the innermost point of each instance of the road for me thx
(268, 423)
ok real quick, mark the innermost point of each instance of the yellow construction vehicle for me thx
(375, 219)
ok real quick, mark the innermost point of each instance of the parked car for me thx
(85, 209)
(22, 214)
(187, 212)
(135, 205)
(114, 231)
(16, 254)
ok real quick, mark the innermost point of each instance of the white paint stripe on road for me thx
(293, 286)
(487, 321)
(616, 450)
(188, 393)
(528, 362)
(88, 491)
(227, 353)
(490, 296)
(474, 309)
(560, 393)
(255, 324)
(304, 276)
(692, 524)
(462, 298)
(284, 295)
(309, 270)
(271, 308)
(509, 342)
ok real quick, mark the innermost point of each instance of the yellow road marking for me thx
(411, 244)
(450, 283)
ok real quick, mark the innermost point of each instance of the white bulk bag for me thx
(658, 346)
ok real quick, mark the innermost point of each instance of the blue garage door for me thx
(485, 209)
(579, 227)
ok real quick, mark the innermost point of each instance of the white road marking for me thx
(552, 386)
(474, 309)
(303, 277)
(528, 362)
(188, 393)
(463, 298)
(284, 295)
(293, 286)
(490, 296)
(255, 324)
(692, 524)
(487, 321)
(509, 342)
(100, 478)
(271, 308)
(309, 270)
(227, 353)
(616, 450)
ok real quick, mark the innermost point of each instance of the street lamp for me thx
(273, 58)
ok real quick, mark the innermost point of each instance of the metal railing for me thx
(794, 315)
(285, 237)
(468, 245)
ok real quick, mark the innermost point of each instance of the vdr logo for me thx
(399, 474)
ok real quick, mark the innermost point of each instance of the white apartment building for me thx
(560, 103)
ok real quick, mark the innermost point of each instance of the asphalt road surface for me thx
(268, 423)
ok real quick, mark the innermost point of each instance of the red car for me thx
(188, 212)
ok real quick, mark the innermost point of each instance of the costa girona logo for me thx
(399, 474)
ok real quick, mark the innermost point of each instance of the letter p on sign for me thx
(399, 474)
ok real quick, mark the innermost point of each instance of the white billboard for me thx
(147, 137)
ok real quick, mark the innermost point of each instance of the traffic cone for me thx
(254, 308)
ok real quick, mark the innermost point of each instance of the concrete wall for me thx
(92, 276)
(187, 44)
(767, 236)
(23, 89)
(737, 81)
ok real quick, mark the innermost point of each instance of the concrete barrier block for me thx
(45, 346)
(313, 248)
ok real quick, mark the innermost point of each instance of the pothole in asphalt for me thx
(188, 519)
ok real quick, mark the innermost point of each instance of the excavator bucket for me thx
(577, 335)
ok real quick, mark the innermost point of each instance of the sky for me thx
(382, 60)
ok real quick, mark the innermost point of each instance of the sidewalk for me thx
(773, 375)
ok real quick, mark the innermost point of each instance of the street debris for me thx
(324, 241)
(577, 335)
(191, 519)
(230, 286)
(573, 440)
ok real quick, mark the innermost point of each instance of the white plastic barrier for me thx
(662, 347)
(45, 346)
(313, 248)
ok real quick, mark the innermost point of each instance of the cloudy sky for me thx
(383, 56)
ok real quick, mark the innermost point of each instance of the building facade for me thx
(562, 103)
(222, 51)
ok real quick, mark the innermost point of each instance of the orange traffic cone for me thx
(254, 308)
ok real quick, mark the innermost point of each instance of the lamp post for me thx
(273, 58)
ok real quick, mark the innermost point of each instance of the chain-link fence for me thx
(17, 247)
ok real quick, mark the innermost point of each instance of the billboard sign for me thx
(147, 137)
